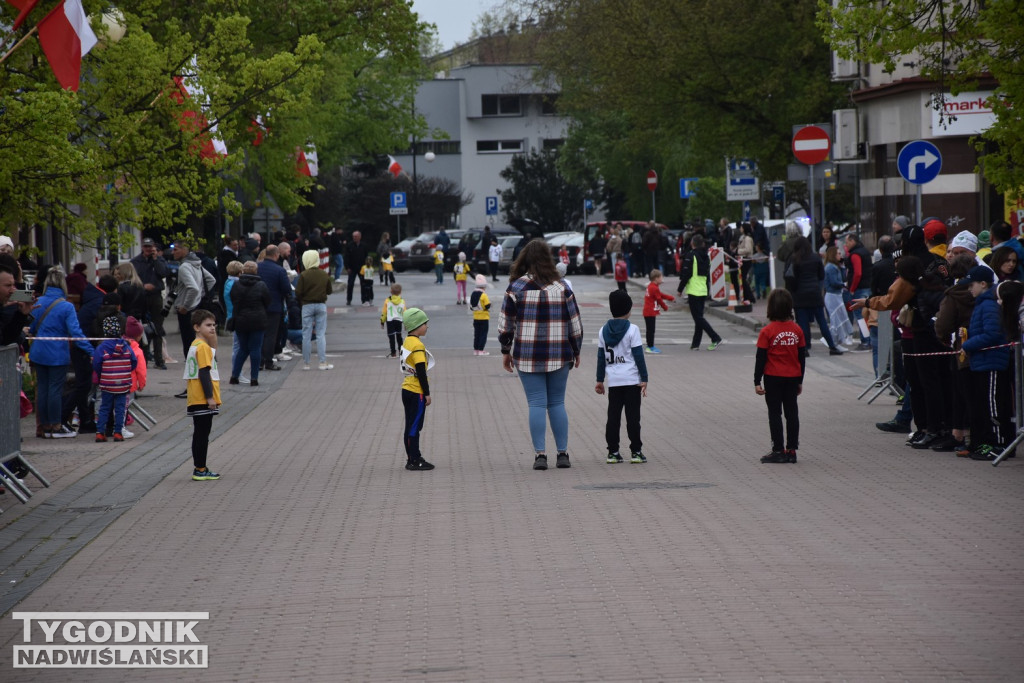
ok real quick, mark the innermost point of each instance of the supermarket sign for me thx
(967, 113)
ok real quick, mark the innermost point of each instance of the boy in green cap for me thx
(416, 360)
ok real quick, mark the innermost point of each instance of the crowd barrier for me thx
(10, 429)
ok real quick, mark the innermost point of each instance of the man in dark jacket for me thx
(858, 277)
(337, 246)
(355, 258)
(152, 269)
(274, 277)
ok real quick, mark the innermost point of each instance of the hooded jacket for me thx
(250, 299)
(314, 284)
(986, 330)
(620, 354)
(192, 279)
(113, 364)
(61, 321)
(954, 313)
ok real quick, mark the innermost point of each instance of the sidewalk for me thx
(320, 558)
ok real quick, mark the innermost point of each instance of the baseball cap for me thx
(147, 242)
(934, 229)
(980, 274)
(413, 318)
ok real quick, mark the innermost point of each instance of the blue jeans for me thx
(250, 345)
(49, 388)
(108, 401)
(803, 319)
(314, 315)
(863, 293)
(874, 348)
(339, 266)
(545, 395)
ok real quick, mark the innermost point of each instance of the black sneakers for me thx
(418, 465)
(893, 426)
(562, 461)
(787, 456)
(926, 441)
(614, 458)
(540, 462)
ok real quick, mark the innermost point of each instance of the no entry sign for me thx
(652, 180)
(811, 145)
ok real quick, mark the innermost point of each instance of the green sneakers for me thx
(204, 475)
(637, 458)
(614, 458)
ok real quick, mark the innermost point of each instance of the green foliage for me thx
(953, 43)
(678, 86)
(338, 75)
(541, 192)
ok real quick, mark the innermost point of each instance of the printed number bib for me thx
(410, 370)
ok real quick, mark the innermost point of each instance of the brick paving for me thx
(320, 558)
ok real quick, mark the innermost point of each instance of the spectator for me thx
(312, 290)
(651, 245)
(151, 268)
(745, 250)
(14, 315)
(193, 282)
(131, 291)
(598, 244)
(541, 335)
(935, 236)
(955, 315)
(77, 280)
(805, 275)
(858, 277)
(337, 245)
(614, 246)
(50, 358)
(828, 238)
(835, 294)
(355, 258)
(1004, 263)
(250, 300)
(274, 277)
(228, 253)
(383, 247)
(636, 252)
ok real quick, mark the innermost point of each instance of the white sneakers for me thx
(326, 366)
(306, 366)
(127, 434)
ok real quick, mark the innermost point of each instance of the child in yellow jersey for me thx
(366, 274)
(391, 318)
(387, 268)
(461, 271)
(439, 264)
(480, 304)
(416, 360)
(203, 389)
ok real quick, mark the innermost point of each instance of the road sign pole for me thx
(918, 204)
(398, 229)
(810, 180)
(654, 213)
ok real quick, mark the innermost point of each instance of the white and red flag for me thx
(394, 168)
(24, 7)
(306, 162)
(192, 119)
(66, 37)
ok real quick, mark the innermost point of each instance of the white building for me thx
(489, 112)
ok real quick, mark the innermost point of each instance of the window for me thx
(549, 105)
(437, 147)
(552, 143)
(500, 105)
(498, 146)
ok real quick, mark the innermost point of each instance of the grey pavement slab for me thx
(319, 557)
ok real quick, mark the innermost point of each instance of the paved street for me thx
(320, 558)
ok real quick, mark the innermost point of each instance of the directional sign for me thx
(687, 187)
(491, 206)
(919, 162)
(811, 145)
(652, 180)
(398, 205)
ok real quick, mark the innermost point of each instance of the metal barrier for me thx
(1018, 400)
(886, 351)
(13, 465)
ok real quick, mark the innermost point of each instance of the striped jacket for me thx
(112, 365)
(540, 326)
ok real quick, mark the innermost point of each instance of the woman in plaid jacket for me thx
(541, 335)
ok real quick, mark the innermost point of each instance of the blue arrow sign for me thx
(919, 162)
(492, 206)
(398, 200)
(687, 187)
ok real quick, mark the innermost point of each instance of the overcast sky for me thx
(454, 18)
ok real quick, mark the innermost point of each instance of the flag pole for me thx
(18, 44)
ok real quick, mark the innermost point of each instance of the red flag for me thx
(306, 162)
(25, 6)
(66, 37)
(193, 121)
(394, 168)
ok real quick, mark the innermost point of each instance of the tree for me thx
(678, 86)
(539, 191)
(955, 44)
(115, 153)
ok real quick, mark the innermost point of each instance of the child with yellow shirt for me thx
(203, 390)
(416, 360)
(461, 271)
(480, 304)
(366, 274)
(391, 318)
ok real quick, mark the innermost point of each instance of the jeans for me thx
(803, 319)
(49, 387)
(545, 395)
(108, 402)
(314, 315)
(339, 265)
(250, 345)
(863, 293)
(439, 272)
(874, 348)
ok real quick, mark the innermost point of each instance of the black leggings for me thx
(415, 413)
(780, 395)
(202, 424)
(649, 323)
(627, 397)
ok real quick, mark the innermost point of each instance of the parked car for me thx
(592, 228)
(478, 259)
(415, 252)
(508, 247)
(573, 243)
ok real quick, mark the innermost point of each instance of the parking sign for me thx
(491, 206)
(398, 205)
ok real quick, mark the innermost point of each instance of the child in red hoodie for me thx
(653, 298)
(621, 273)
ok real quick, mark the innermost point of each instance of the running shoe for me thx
(614, 458)
(204, 475)
(637, 458)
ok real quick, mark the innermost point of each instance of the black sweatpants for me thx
(780, 395)
(992, 408)
(619, 398)
(480, 328)
(394, 329)
(696, 304)
(202, 424)
(415, 412)
(649, 323)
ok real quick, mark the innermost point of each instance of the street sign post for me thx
(811, 145)
(398, 207)
(491, 206)
(687, 187)
(652, 185)
(919, 162)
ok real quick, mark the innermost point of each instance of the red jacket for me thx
(621, 273)
(653, 298)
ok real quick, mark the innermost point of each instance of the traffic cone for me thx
(732, 296)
